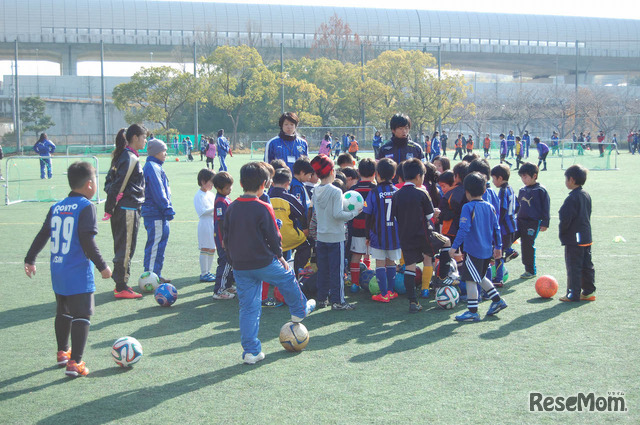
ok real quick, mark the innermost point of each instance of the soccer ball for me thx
(352, 201)
(294, 336)
(166, 294)
(505, 274)
(398, 285)
(126, 351)
(373, 286)
(365, 278)
(148, 282)
(546, 286)
(447, 297)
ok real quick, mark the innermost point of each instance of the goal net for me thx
(315, 135)
(593, 156)
(257, 150)
(24, 183)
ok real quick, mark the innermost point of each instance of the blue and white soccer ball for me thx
(126, 351)
(447, 297)
(148, 282)
(352, 201)
(166, 294)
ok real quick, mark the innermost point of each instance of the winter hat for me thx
(322, 165)
(155, 146)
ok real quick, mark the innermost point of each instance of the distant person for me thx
(376, 143)
(44, 147)
(443, 141)
(511, 144)
(223, 150)
(325, 145)
(1, 157)
(210, 153)
(526, 143)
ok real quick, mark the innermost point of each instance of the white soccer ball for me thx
(126, 351)
(352, 201)
(148, 282)
(447, 297)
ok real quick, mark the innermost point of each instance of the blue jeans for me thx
(223, 165)
(249, 286)
(330, 260)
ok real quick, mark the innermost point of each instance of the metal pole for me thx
(104, 106)
(577, 53)
(439, 79)
(363, 112)
(196, 141)
(282, 72)
(17, 97)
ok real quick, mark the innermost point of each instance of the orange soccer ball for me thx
(546, 286)
(177, 159)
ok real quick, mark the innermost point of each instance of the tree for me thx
(32, 111)
(336, 40)
(301, 97)
(368, 96)
(236, 78)
(156, 94)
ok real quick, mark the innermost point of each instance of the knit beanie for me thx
(155, 146)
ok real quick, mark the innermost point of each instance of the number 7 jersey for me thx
(382, 224)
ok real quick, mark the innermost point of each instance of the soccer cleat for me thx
(269, 302)
(342, 306)
(468, 316)
(527, 275)
(495, 307)
(248, 358)
(414, 307)
(164, 280)
(231, 290)
(63, 357)
(511, 256)
(322, 304)
(588, 297)
(207, 278)
(380, 298)
(355, 288)
(447, 281)
(224, 295)
(127, 293)
(311, 305)
(498, 283)
(76, 369)
(424, 293)
(567, 299)
(392, 295)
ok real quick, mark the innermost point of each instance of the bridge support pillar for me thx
(69, 62)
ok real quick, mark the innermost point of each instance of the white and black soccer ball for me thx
(126, 351)
(447, 297)
(352, 201)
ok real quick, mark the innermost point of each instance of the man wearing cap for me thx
(157, 210)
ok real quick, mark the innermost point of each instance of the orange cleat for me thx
(589, 297)
(63, 357)
(392, 295)
(76, 369)
(380, 298)
(126, 293)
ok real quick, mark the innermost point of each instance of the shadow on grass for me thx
(529, 320)
(17, 393)
(24, 315)
(116, 407)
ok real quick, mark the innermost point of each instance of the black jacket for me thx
(575, 218)
(133, 193)
(400, 150)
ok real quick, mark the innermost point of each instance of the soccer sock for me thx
(391, 278)
(410, 285)
(355, 273)
(490, 290)
(79, 334)
(427, 273)
(381, 276)
(265, 290)
(210, 260)
(443, 270)
(367, 261)
(204, 262)
(472, 296)
(62, 325)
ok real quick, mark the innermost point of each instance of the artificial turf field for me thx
(376, 364)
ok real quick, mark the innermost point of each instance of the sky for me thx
(620, 9)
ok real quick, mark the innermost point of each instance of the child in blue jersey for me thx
(223, 149)
(533, 216)
(382, 230)
(223, 288)
(507, 220)
(251, 223)
(71, 224)
(543, 151)
(157, 210)
(503, 150)
(555, 143)
(511, 143)
(479, 231)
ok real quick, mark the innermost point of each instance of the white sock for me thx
(204, 263)
(210, 261)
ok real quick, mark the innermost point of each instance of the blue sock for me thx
(391, 278)
(381, 275)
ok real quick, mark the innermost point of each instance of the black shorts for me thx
(79, 305)
(416, 255)
(473, 269)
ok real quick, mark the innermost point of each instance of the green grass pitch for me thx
(376, 364)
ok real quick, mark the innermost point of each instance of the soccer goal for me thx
(257, 149)
(593, 156)
(24, 183)
(315, 135)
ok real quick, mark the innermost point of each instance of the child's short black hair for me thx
(446, 178)
(80, 173)
(536, 140)
(340, 176)
(269, 168)
(345, 158)
(224, 179)
(578, 173)
(278, 163)
(350, 173)
(399, 120)
(282, 176)
(412, 168)
(340, 184)
(302, 165)
(444, 161)
(461, 170)
(501, 170)
(518, 138)
(470, 157)
(252, 176)
(475, 184)
(502, 135)
(481, 165)
(205, 175)
(528, 169)
(367, 167)
(386, 169)
(287, 116)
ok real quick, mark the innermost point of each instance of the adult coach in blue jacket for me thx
(287, 145)
(223, 150)
(44, 147)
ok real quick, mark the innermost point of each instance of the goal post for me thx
(593, 156)
(257, 149)
(23, 182)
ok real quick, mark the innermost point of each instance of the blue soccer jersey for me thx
(383, 227)
(71, 270)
